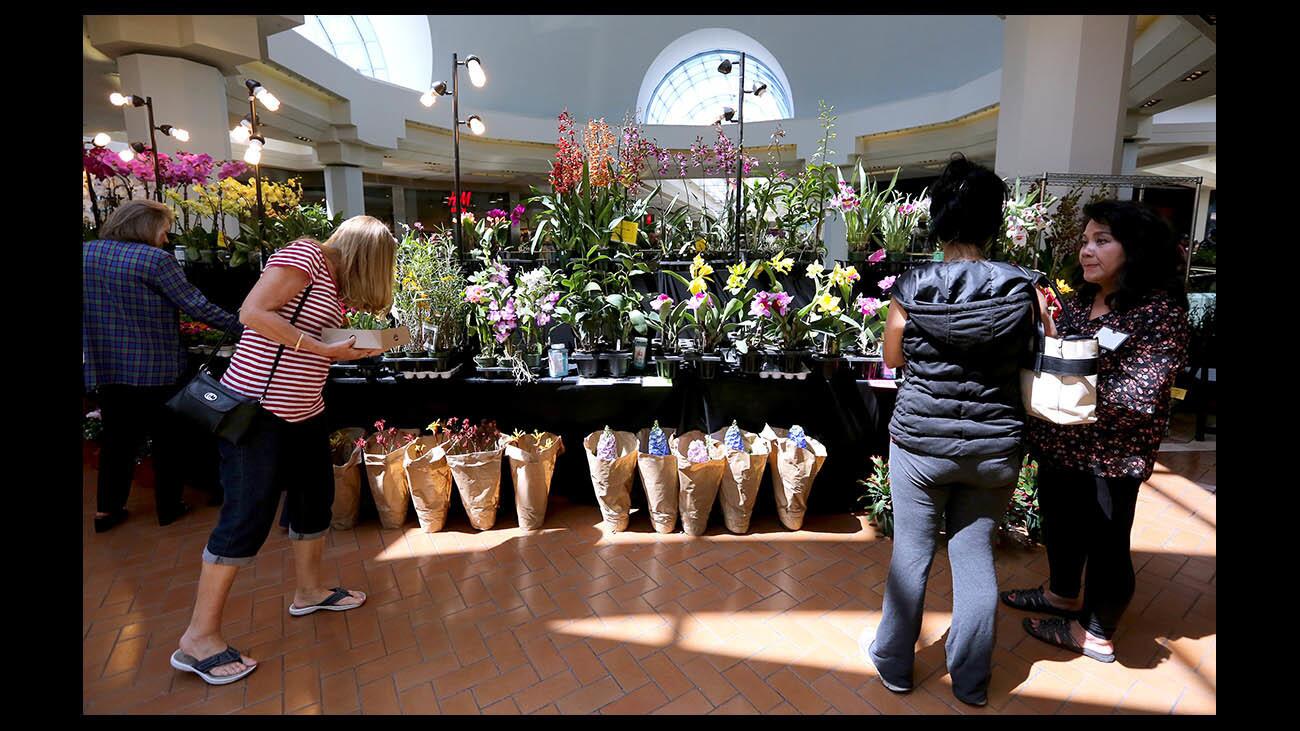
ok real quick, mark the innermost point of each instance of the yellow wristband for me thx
(300, 334)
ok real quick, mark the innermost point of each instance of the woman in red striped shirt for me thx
(302, 291)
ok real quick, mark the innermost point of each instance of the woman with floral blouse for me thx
(1131, 298)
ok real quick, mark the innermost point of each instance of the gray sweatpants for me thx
(970, 495)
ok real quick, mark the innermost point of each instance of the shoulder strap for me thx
(279, 353)
(1039, 343)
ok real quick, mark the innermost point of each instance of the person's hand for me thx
(345, 350)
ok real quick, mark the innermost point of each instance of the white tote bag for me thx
(1060, 383)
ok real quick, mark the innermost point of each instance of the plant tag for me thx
(625, 233)
(656, 382)
(1178, 393)
(1111, 339)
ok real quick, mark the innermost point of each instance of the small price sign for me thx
(1178, 393)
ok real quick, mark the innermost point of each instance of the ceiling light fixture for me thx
(1151, 103)
(101, 139)
(176, 133)
(474, 66)
(1195, 75)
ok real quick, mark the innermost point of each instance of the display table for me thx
(850, 417)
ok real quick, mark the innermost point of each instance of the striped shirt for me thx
(295, 393)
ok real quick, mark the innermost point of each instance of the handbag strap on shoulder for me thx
(279, 353)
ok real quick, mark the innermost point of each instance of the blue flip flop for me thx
(190, 664)
(330, 603)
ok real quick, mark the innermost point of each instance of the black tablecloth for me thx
(846, 415)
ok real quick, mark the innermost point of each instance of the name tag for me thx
(1110, 339)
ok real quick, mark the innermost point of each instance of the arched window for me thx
(349, 38)
(695, 92)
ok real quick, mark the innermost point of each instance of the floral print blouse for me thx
(1133, 391)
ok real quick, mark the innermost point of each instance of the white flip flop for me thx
(330, 603)
(190, 664)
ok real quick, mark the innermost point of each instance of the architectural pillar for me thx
(185, 94)
(399, 207)
(1202, 213)
(343, 190)
(1064, 83)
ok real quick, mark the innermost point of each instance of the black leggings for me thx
(1088, 520)
(130, 413)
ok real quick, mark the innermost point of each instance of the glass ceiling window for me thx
(694, 92)
(349, 38)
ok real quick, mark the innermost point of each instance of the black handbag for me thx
(215, 407)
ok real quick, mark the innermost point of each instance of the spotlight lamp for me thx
(430, 97)
(474, 66)
(176, 133)
(131, 151)
(759, 90)
(262, 94)
(725, 66)
(253, 155)
(101, 139)
(475, 124)
(242, 131)
(121, 100)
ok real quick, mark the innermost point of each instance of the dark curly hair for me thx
(1153, 263)
(966, 204)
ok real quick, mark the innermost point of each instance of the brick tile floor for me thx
(574, 619)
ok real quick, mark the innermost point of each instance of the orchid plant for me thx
(862, 209)
(1023, 214)
(491, 314)
(428, 296)
(899, 219)
(461, 436)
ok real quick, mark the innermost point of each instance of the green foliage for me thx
(1022, 512)
(299, 222)
(876, 499)
(429, 296)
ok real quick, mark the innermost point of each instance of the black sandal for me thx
(1034, 600)
(1056, 632)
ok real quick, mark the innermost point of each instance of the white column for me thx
(399, 207)
(343, 190)
(1202, 213)
(1128, 166)
(837, 240)
(185, 94)
(1064, 79)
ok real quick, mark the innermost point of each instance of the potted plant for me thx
(746, 455)
(876, 499)
(429, 477)
(700, 463)
(429, 295)
(384, 453)
(833, 293)
(347, 449)
(795, 460)
(711, 320)
(667, 319)
(474, 455)
(532, 463)
(899, 218)
(612, 459)
(491, 315)
(861, 209)
(658, 469)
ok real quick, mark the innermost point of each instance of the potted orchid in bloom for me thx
(667, 318)
(493, 231)
(788, 329)
(535, 299)
(1024, 214)
(899, 221)
(492, 315)
(862, 209)
(707, 315)
(832, 296)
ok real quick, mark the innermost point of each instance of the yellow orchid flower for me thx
(735, 282)
(1065, 288)
(701, 245)
(699, 268)
(827, 303)
(697, 286)
(737, 269)
(781, 264)
(815, 269)
(843, 277)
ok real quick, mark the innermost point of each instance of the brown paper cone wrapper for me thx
(659, 480)
(531, 469)
(347, 480)
(612, 481)
(741, 479)
(697, 484)
(793, 472)
(388, 480)
(478, 480)
(429, 477)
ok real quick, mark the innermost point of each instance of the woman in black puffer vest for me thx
(962, 327)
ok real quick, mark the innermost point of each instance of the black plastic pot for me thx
(587, 364)
(792, 360)
(485, 361)
(667, 365)
(751, 362)
(618, 362)
(829, 364)
(441, 362)
(709, 367)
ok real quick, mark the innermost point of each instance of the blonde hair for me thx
(367, 253)
(140, 221)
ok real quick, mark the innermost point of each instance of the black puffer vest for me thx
(969, 324)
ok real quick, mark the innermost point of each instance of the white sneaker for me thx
(865, 638)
